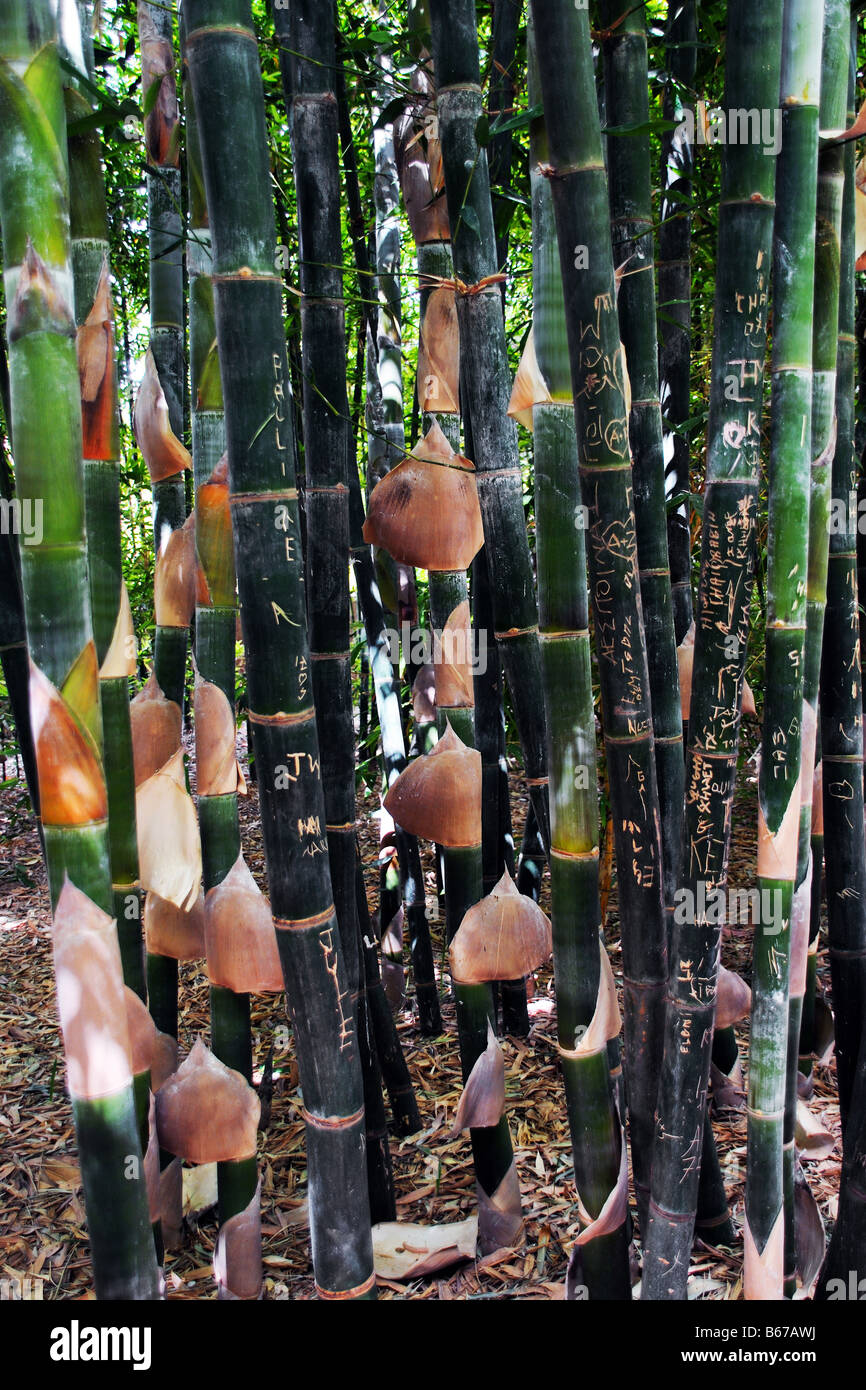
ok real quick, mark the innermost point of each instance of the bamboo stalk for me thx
(675, 289)
(501, 95)
(386, 689)
(165, 240)
(500, 1217)
(580, 203)
(841, 696)
(484, 369)
(227, 88)
(165, 298)
(108, 603)
(394, 759)
(771, 1155)
(752, 70)
(64, 692)
(579, 957)
(309, 32)
(443, 398)
(628, 159)
(215, 629)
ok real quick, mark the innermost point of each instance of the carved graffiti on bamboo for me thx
(283, 522)
(279, 409)
(297, 761)
(707, 789)
(612, 543)
(699, 978)
(752, 305)
(726, 575)
(303, 676)
(326, 941)
(780, 759)
(602, 372)
(691, 1157)
(643, 843)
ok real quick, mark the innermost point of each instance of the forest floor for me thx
(42, 1225)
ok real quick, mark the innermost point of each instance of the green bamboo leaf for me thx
(521, 120)
(389, 113)
(641, 128)
(98, 93)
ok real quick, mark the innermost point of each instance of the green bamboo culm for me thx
(88, 217)
(497, 837)
(487, 381)
(846, 1257)
(628, 160)
(403, 1102)
(165, 299)
(386, 688)
(752, 74)
(492, 1151)
(222, 56)
(834, 87)
(675, 291)
(580, 201)
(308, 31)
(596, 1132)
(215, 628)
(771, 1155)
(501, 93)
(843, 731)
(509, 996)
(496, 1179)
(631, 212)
(165, 245)
(42, 362)
(840, 677)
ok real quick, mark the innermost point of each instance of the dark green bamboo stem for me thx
(628, 160)
(753, 57)
(327, 441)
(841, 695)
(394, 759)
(386, 687)
(165, 243)
(497, 840)
(580, 202)
(226, 81)
(492, 1153)
(215, 628)
(771, 1154)
(532, 859)
(675, 290)
(844, 1271)
(392, 1063)
(596, 1131)
(501, 97)
(165, 299)
(497, 846)
(484, 370)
